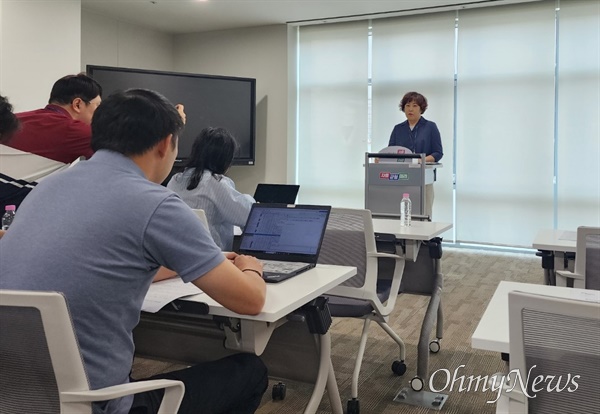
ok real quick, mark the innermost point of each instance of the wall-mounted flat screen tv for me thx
(210, 101)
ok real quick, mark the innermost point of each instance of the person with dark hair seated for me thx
(203, 185)
(61, 131)
(99, 232)
(9, 124)
(12, 190)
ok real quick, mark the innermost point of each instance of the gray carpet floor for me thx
(470, 279)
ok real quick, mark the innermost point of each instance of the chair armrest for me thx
(569, 274)
(174, 391)
(380, 254)
(563, 275)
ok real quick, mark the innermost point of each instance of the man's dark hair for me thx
(131, 122)
(74, 86)
(9, 123)
(213, 150)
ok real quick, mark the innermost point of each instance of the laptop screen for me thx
(285, 232)
(276, 193)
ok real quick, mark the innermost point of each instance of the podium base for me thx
(427, 399)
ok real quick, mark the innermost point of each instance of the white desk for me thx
(555, 240)
(554, 248)
(242, 332)
(413, 236)
(287, 296)
(418, 230)
(492, 332)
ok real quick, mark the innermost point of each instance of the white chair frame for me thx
(74, 393)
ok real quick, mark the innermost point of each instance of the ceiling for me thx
(191, 16)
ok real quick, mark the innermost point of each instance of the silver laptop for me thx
(285, 237)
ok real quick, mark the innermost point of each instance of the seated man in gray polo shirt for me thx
(98, 233)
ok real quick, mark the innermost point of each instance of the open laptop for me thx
(286, 238)
(276, 193)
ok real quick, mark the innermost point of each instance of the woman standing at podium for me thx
(419, 135)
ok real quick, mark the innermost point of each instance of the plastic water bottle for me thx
(8, 216)
(405, 210)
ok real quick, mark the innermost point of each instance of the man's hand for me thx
(230, 256)
(180, 109)
(243, 262)
(241, 292)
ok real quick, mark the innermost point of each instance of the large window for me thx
(514, 89)
(332, 113)
(578, 122)
(505, 123)
(416, 54)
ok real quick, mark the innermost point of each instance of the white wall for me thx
(259, 53)
(40, 42)
(109, 42)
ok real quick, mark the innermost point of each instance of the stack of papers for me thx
(166, 291)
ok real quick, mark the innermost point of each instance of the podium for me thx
(393, 172)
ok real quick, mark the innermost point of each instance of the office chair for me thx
(76, 161)
(42, 369)
(349, 240)
(586, 274)
(554, 346)
(202, 216)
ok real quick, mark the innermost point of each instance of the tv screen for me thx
(210, 101)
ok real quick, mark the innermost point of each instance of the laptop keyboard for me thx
(271, 267)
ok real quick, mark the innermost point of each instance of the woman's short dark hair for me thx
(9, 123)
(213, 150)
(417, 98)
(70, 87)
(131, 122)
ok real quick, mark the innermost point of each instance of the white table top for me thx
(287, 296)
(418, 230)
(555, 240)
(491, 333)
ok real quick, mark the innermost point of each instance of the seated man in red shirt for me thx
(61, 131)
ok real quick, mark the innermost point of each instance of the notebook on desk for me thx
(276, 193)
(286, 238)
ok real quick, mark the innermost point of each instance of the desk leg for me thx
(563, 261)
(325, 377)
(415, 394)
(430, 317)
(548, 264)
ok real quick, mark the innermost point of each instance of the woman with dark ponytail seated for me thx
(203, 185)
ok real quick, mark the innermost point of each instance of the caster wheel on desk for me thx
(417, 384)
(278, 393)
(398, 367)
(434, 346)
(353, 406)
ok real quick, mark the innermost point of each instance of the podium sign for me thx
(391, 173)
